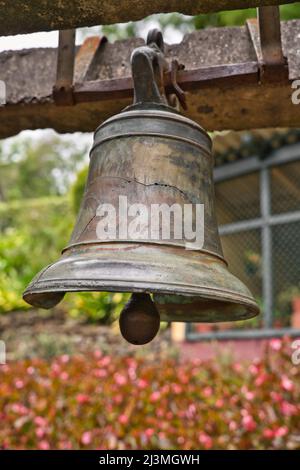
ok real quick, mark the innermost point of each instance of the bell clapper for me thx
(139, 319)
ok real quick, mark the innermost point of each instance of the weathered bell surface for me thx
(147, 161)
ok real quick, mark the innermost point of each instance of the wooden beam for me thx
(23, 16)
(224, 91)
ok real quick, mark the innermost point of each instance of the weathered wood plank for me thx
(244, 107)
(23, 16)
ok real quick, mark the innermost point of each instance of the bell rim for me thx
(206, 276)
(249, 310)
(139, 286)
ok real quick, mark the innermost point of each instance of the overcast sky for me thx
(26, 41)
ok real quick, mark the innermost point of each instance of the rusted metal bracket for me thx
(179, 93)
(63, 88)
(72, 67)
(265, 34)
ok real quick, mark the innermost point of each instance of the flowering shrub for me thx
(106, 402)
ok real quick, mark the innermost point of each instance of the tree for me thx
(33, 168)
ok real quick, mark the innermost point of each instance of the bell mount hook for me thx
(150, 69)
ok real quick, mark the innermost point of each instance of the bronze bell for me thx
(148, 156)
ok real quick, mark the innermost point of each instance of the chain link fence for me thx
(246, 206)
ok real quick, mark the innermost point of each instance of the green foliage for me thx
(32, 168)
(114, 402)
(33, 232)
(97, 307)
(122, 31)
(224, 18)
(239, 17)
(77, 189)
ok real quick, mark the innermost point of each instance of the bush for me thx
(97, 307)
(107, 402)
(33, 233)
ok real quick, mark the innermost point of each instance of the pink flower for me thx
(261, 414)
(281, 431)
(206, 440)
(100, 373)
(275, 344)
(19, 409)
(247, 393)
(142, 383)
(237, 367)
(44, 445)
(65, 358)
(207, 392)
(277, 397)
(19, 384)
(219, 403)
(176, 389)
(132, 373)
(190, 412)
(82, 398)
(288, 409)
(120, 379)
(40, 421)
(65, 445)
(123, 419)
(253, 369)
(233, 426)
(149, 432)
(30, 370)
(55, 368)
(155, 396)
(268, 433)
(260, 379)
(287, 384)
(40, 432)
(86, 438)
(64, 376)
(105, 361)
(248, 423)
